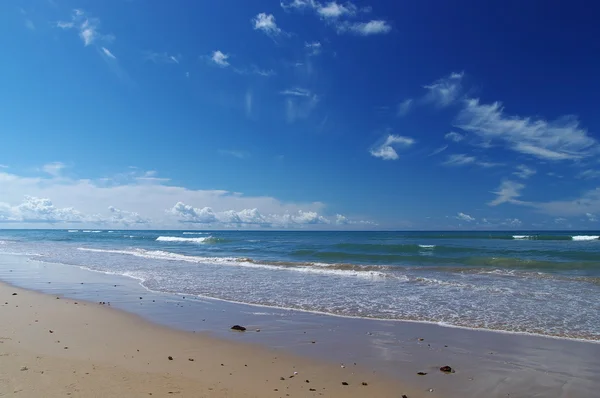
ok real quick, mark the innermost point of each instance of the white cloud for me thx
(54, 168)
(65, 25)
(508, 192)
(453, 136)
(266, 23)
(438, 150)
(405, 106)
(164, 57)
(561, 139)
(459, 160)
(465, 217)
(299, 103)
(313, 48)
(296, 91)
(373, 27)
(512, 222)
(589, 174)
(107, 52)
(335, 10)
(524, 171)
(591, 217)
(445, 91)
(88, 32)
(298, 4)
(84, 202)
(220, 58)
(386, 150)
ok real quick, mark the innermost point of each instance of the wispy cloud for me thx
(562, 139)
(459, 159)
(591, 217)
(405, 107)
(86, 26)
(386, 149)
(107, 52)
(589, 174)
(299, 106)
(297, 91)
(465, 217)
(524, 171)
(438, 150)
(54, 168)
(65, 25)
(507, 192)
(266, 23)
(248, 101)
(313, 48)
(163, 57)
(220, 58)
(453, 136)
(235, 153)
(373, 27)
(445, 91)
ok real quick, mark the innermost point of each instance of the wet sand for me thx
(56, 347)
(388, 354)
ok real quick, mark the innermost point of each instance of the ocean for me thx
(544, 283)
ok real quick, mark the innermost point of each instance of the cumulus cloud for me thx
(454, 136)
(465, 217)
(253, 217)
(524, 171)
(145, 196)
(266, 23)
(333, 9)
(386, 150)
(220, 58)
(562, 139)
(445, 91)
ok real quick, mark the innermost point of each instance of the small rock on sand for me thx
(364, 383)
(446, 369)
(14, 294)
(170, 358)
(421, 373)
(344, 383)
(23, 368)
(238, 328)
(404, 396)
(191, 359)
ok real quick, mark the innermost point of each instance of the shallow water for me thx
(542, 283)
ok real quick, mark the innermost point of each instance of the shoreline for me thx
(141, 281)
(487, 364)
(50, 341)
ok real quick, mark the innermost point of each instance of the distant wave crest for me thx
(179, 239)
(586, 237)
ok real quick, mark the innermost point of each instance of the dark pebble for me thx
(421, 373)
(170, 358)
(191, 359)
(311, 389)
(238, 328)
(282, 378)
(364, 383)
(14, 294)
(344, 383)
(404, 396)
(308, 381)
(51, 331)
(447, 369)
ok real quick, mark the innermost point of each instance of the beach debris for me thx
(295, 373)
(51, 331)
(312, 389)
(23, 368)
(404, 396)
(258, 330)
(191, 359)
(364, 383)
(238, 328)
(421, 373)
(66, 348)
(344, 383)
(430, 390)
(170, 358)
(282, 378)
(421, 339)
(313, 342)
(140, 298)
(307, 381)
(446, 369)
(14, 294)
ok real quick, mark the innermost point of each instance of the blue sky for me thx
(299, 114)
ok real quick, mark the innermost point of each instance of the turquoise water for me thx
(535, 282)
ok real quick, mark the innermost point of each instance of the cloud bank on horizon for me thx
(299, 114)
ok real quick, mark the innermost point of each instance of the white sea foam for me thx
(91, 232)
(180, 239)
(195, 233)
(426, 246)
(522, 237)
(73, 230)
(585, 237)
(315, 268)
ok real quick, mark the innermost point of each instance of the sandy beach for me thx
(54, 347)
